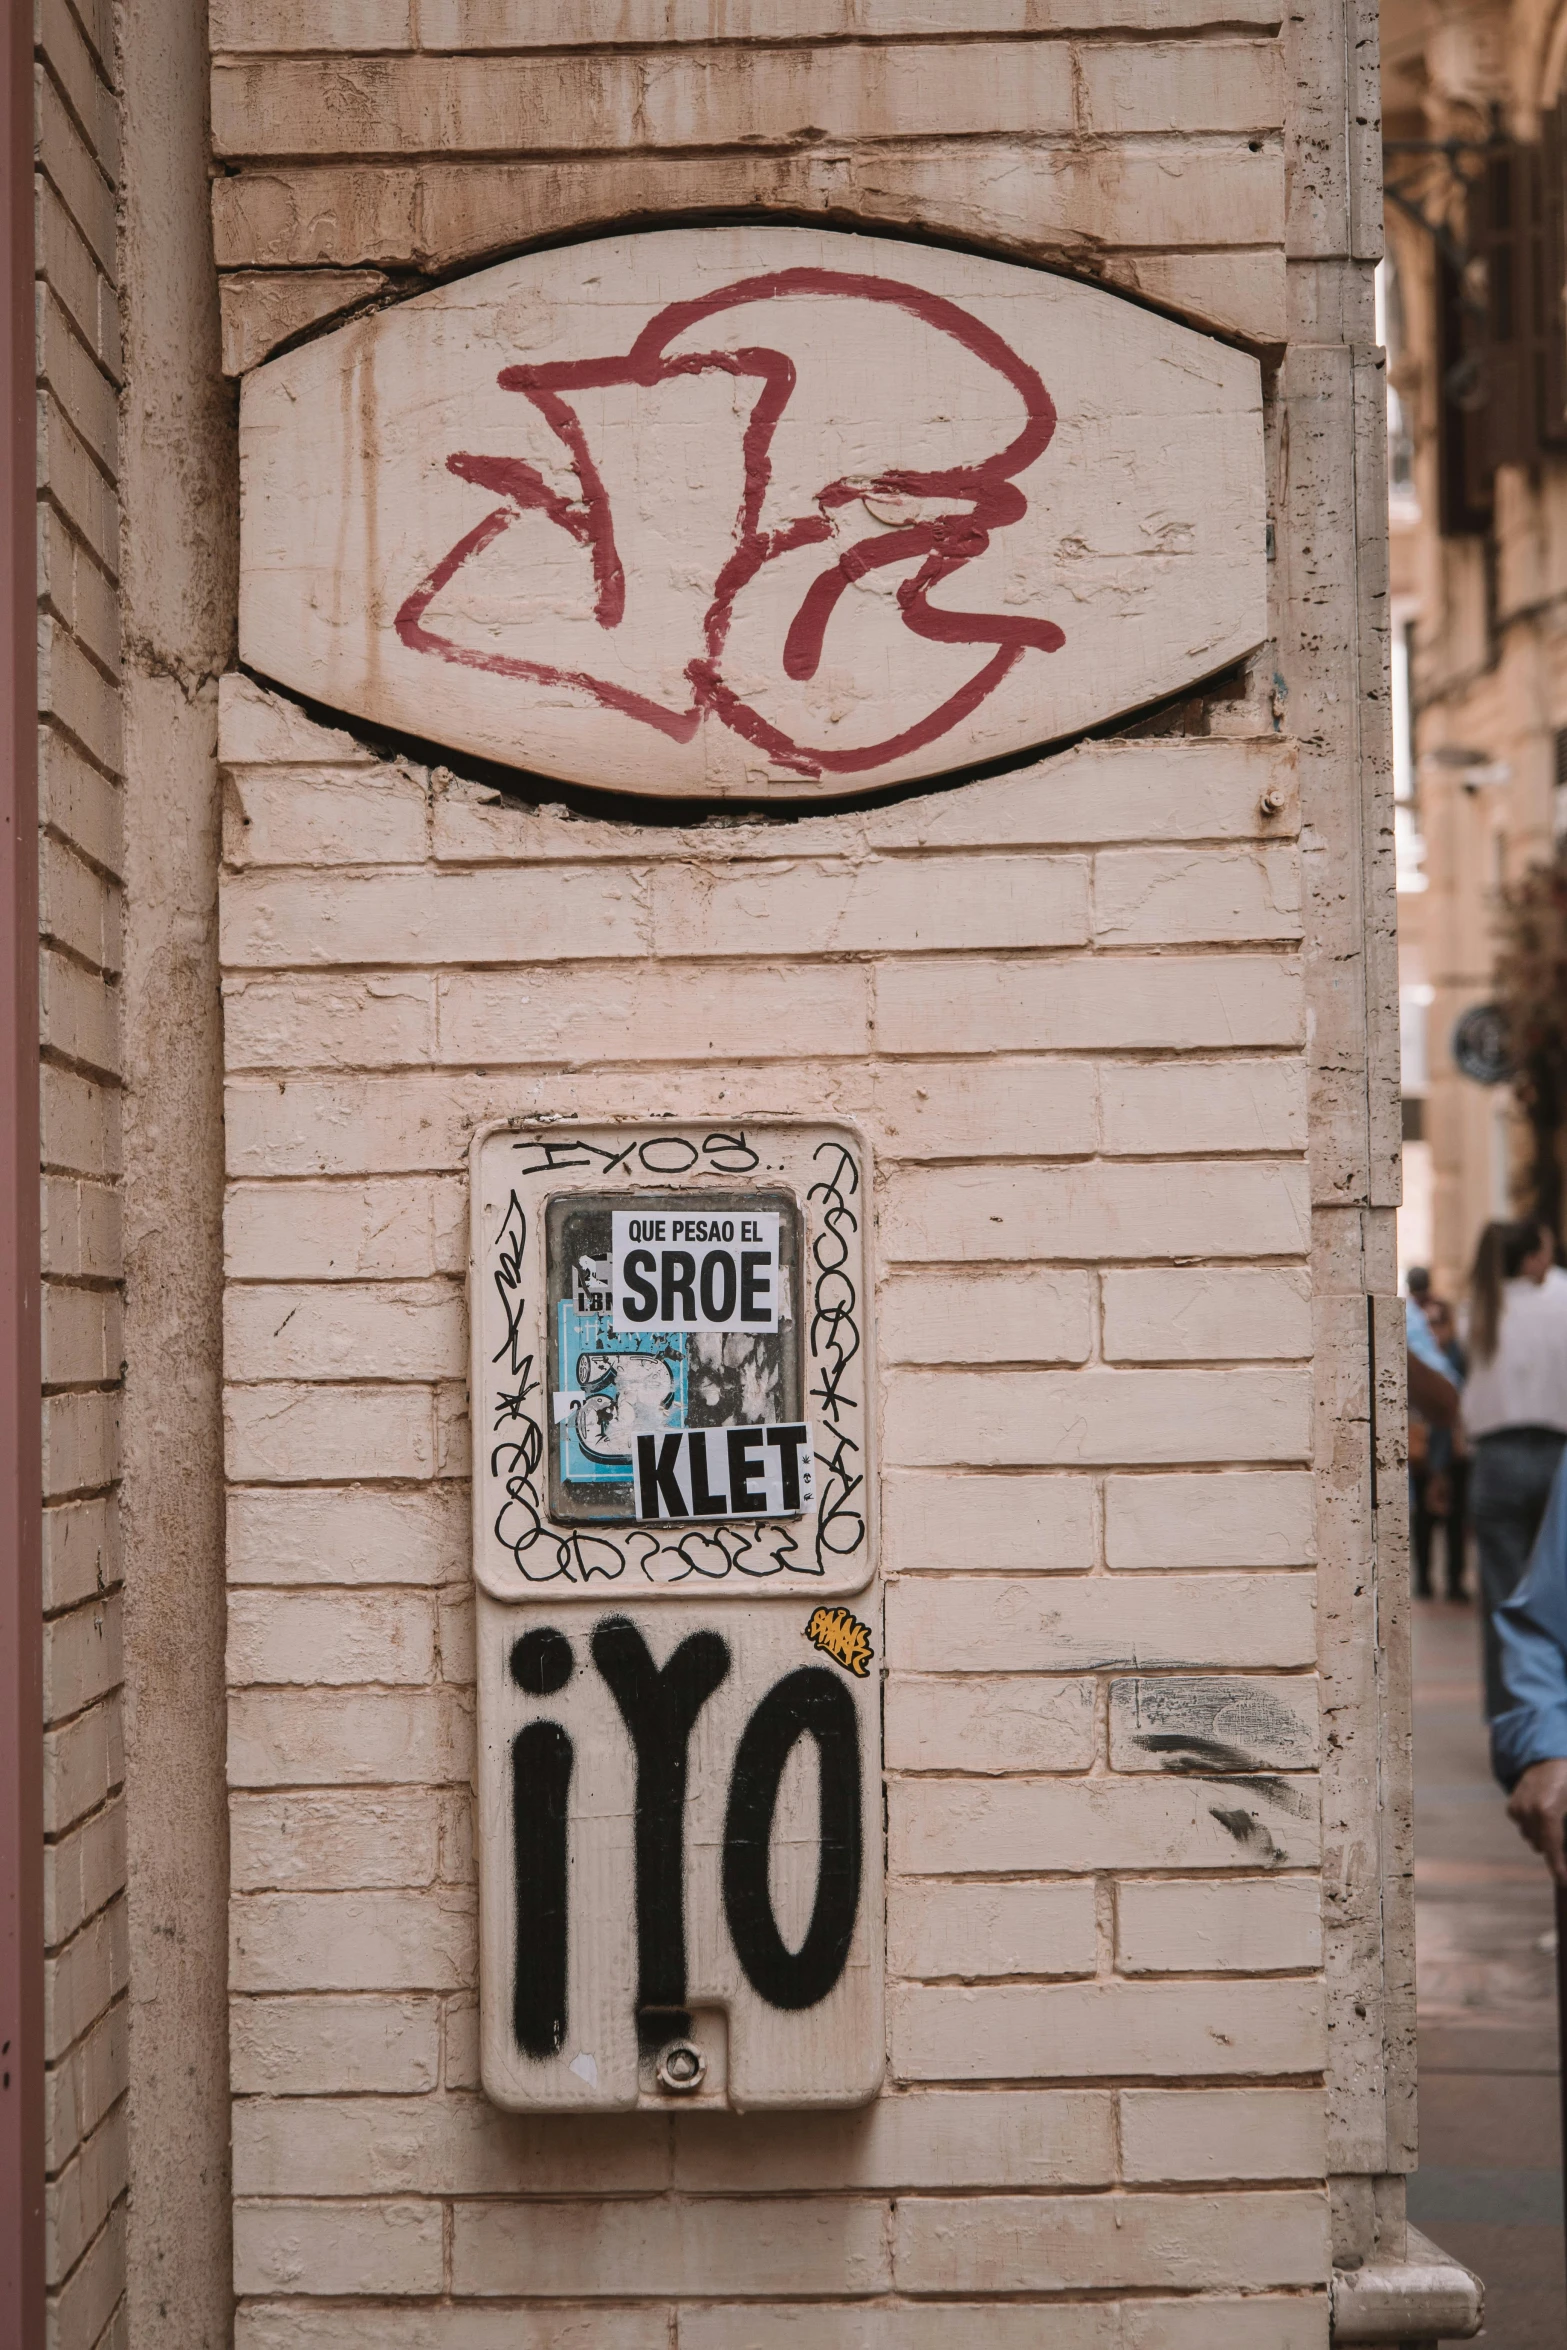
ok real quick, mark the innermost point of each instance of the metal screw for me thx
(682, 2068)
(1272, 803)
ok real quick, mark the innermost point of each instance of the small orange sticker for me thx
(843, 1637)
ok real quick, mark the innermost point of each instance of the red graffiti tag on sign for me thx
(951, 515)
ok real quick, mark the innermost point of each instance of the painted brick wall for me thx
(80, 859)
(1139, 141)
(1069, 1006)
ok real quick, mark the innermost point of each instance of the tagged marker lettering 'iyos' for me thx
(678, 1270)
(726, 1473)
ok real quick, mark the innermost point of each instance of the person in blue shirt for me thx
(1529, 1739)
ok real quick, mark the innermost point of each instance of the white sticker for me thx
(763, 1472)
(685, 1270)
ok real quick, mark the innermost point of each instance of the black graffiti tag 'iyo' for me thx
(659, 1707)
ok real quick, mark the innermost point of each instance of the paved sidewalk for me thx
(1489, 2188)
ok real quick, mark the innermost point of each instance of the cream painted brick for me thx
(460, 2068)
(86, 2302)
(352, 1941)
(80, 386)
(1218, 1725)
(315, 816)
(83, 1871)
(260, 310)
(1076, 2031)
(490, 24)
(83, 1656)
(442, 2146)
(954, 1624)
(1019, 2138)
(78, 589)
(75, 800)
(330, 1636)
(81, 1229)
(888, 905)
(492, 104)
(1194, 1208)
(1122, 194)
(79, 1018)
(323, 214)
(1121, 1002)
(1251, 2324)
(65, 258)
(314, 24)
(348, 2325)
(314, 1842)
(81, 1123)
(1164, 789)
(318, 2047)
(274, 920)
(1073, 1419)
(640, 1012)
(1252, 1929)
(83, 1338)
(348, 1535)
(403, 1230)
(385, 1021)
(81, 77)
(1153, 1108)
(568, 2250)
(1196, 1314)
(349, 1738)
(82, 2086)
(459, 1864)
(83, 1761)
(338, 2247)
(406, 1330)
(77, 2203)
(79, 908)
(1040, 1525)
(267, 729)
(1012, 1722)
(295, 1434)
(1012, 1317)
(73, 168)
(455, 1637)
(81, 1979)
(1043, 2244)
(72, 689)
(1182, 85)
(996, 1827)
(980, 1931)
(1197, 897)
(81, 1552)
(985, 1109)
(1226, 1521)
(999, 2325)
(1192, 2134)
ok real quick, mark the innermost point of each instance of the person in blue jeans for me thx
(1529, 1734)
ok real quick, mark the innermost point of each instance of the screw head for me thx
(1272, 803)
(682, 2068)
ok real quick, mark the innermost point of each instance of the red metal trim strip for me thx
(21, 1500)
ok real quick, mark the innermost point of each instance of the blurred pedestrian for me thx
(1514, 1412)
(1443, 1485)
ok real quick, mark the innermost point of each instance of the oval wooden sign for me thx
(756, 512)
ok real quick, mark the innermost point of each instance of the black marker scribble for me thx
(834, 1339)
(510, 1242)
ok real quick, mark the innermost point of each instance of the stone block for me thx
(1204, 1314)
(1228, 1520)
(1201, 1929)
(982, 1932)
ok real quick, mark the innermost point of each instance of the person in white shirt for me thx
(1514, 1411)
